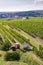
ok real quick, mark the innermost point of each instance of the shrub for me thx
(11, 56)
(35, 50)
(6, 46)
(40, 47)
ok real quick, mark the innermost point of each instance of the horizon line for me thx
(22, 11)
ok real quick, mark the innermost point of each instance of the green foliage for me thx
(19, 37)
(11, 56)
(6, 46)
(38, 52)
(40, 48)
(32, 25)
(1, 42)
(35, 50)
(0, 46)
(26, 58)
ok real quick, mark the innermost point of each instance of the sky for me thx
(20, 5)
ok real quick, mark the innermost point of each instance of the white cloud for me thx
(18, 5)
(38, 2)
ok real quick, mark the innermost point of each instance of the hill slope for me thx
(35, 13)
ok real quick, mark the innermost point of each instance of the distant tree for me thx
(27, 17)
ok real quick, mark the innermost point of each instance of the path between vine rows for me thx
(35, 41)
(29, 37)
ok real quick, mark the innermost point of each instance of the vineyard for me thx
(14, 31)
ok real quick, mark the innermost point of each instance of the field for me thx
(19, 31)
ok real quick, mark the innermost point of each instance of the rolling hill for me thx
(35, 13)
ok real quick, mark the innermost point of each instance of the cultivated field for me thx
(30, 31)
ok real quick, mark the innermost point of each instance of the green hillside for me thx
(29, 31)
